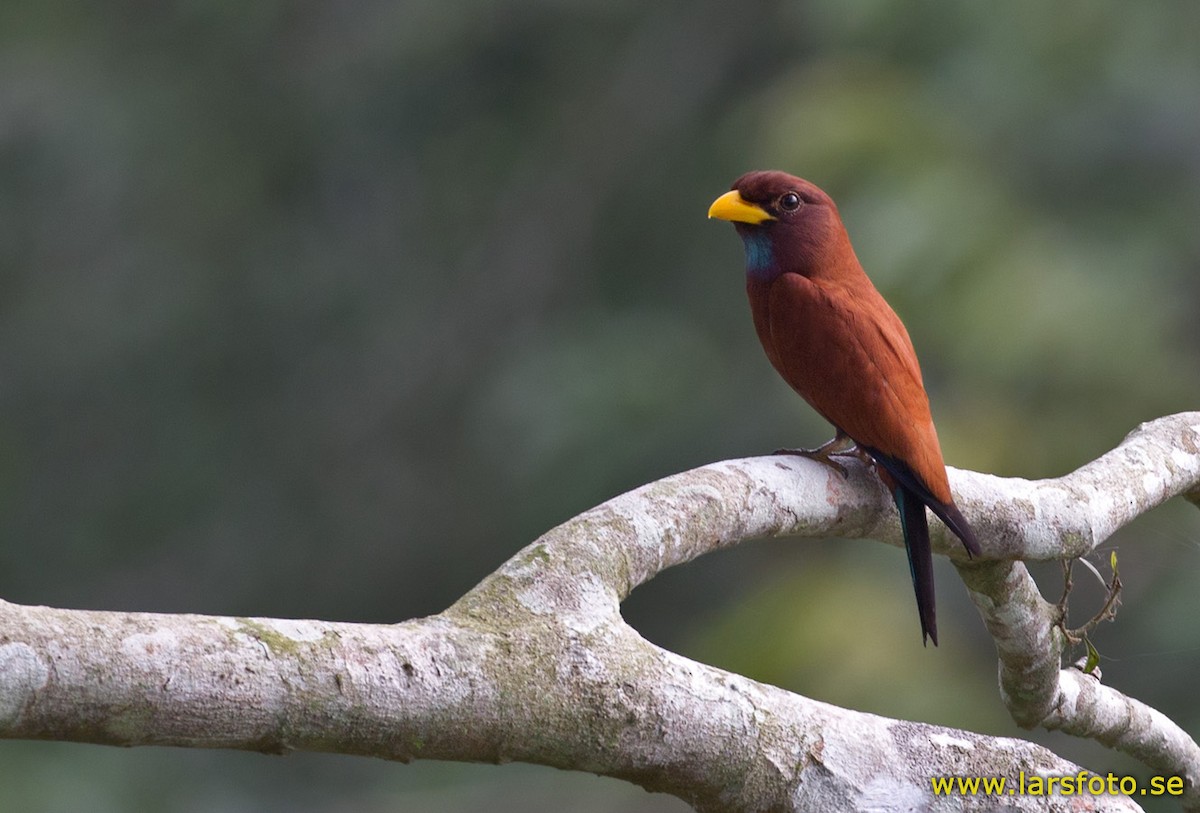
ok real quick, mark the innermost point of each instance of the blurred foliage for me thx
(325, 310)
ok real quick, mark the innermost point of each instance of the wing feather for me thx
(844, 350)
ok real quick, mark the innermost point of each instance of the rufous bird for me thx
(835, 340)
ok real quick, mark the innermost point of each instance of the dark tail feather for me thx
(920, 558)
(957, 523)
(946, 512)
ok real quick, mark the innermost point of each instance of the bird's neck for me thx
(761, 262)
(830, 259)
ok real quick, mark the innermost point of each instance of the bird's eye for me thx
(790, 202)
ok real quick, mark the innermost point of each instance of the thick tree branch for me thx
(536, 664)
(583, 692)
(1068, 517)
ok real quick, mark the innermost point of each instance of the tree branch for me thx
(536, 664)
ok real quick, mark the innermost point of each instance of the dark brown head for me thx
(787, 224)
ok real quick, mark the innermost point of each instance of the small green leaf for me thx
(1112, 561)
(1093, 658)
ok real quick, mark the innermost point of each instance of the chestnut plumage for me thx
(833, 338)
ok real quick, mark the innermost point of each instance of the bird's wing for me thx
(846, 352)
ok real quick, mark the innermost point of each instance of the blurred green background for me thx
(324, 310)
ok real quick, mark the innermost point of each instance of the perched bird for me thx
(835, 340)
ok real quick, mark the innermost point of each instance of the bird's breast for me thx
(758, 290)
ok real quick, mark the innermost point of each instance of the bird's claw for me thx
(820, 455)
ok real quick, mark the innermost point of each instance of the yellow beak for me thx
(732, 206)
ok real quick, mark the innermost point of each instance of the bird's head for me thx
(787, 223)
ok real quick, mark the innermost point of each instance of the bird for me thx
(835, 340)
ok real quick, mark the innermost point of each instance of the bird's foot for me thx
(840, 446)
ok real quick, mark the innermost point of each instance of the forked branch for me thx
(536, 663)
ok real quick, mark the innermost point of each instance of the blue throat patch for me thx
(759, 256)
